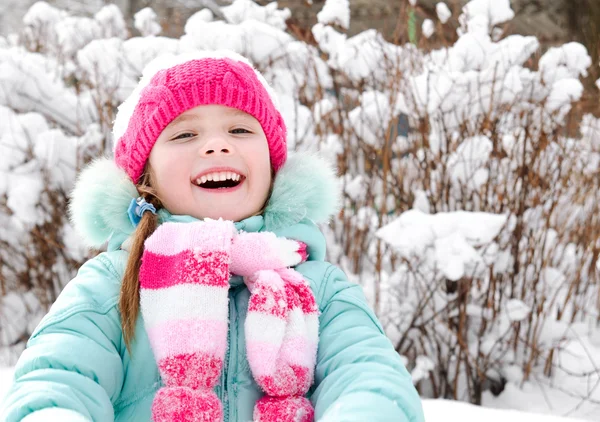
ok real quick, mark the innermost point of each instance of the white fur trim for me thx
(55, 414)
(166, 61)
(99, 202)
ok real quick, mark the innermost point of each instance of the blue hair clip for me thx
(137, 208)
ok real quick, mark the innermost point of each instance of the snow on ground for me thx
(542, 400)
(6, 375)
(574, 389)
(449, 411)
(435, 410)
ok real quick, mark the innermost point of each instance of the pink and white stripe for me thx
(253, 252)
(282, 329)
(184, 282)
(282, 325)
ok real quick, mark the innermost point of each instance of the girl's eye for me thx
(184, 136)
(239, 130)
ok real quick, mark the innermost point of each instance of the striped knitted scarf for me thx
(184, 283)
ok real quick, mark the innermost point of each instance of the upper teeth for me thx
(218, 177)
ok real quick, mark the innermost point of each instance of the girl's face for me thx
(212, 161)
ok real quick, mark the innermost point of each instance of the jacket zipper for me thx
(226, 363)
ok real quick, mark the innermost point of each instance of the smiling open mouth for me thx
(220, 181)
(220, 184)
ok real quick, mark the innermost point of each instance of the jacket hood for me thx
(306, 192)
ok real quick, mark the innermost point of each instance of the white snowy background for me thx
(472, 231)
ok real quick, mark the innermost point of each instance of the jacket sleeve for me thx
(72, 369)
(359, 375)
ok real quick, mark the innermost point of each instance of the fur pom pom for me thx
(305, 187)
(100, 200)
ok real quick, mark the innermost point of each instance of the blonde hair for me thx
(129, 299)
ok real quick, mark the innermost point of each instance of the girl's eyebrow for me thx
(188, 117)
(242, 114)
(237, 112)
(182, 118)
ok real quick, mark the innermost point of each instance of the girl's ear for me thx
(305, 187)
(99, 202)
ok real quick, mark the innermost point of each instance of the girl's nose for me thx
(216, 146)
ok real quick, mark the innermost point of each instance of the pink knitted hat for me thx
(174, 84)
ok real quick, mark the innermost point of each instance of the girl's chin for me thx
(224, 213)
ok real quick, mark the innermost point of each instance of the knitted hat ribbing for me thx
(177, 84)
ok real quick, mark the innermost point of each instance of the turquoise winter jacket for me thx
(76, 366)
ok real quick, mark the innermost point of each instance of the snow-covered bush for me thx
(472, 204)
(471, 210)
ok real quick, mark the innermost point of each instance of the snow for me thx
(6, 377)
(111, 22)
(41, 13)
(73, 33)
(101, 64)
(429, 90)
(372, 117)
(13, 143)
(335, 12)
(513, 50)
(322, 108)
(328, 38)
(13, 318)
(574, 391)
(455, 257)
(424, 365)
(415, 231)
(517, 310)
(467, 164)
(23, 196)
(492, 12)
(355, 188)
(564, 92)
(443, 12)
(421, 202)
(362, 56)
(443, 410)
(570, 60)
(198, 19)
(257, 40)
(470, 52)
(247, 10)
(145, 21)
(26, 85)
(428, 28)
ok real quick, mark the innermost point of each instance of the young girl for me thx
(213, 301)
